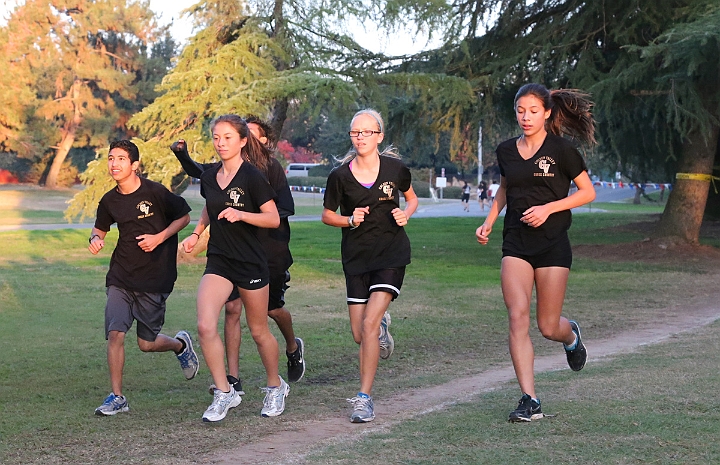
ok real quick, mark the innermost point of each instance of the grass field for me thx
(654, 406)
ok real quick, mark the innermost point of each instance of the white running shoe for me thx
(221, 404)
(274, 403)
(113, 405)
(387, 344)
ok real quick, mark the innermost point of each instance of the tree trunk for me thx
(683, 213)
(712, 208)
(68, 138)
(278, 116)
(280, 109)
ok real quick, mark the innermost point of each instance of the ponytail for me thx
(572, 116)
(257, 153)
(571, 111)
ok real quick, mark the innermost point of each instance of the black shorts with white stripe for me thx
(360, 286)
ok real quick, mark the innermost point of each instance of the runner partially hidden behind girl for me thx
(276, 244)
(375, 248)
(536, 170)
(239, 200)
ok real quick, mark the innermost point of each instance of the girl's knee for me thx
(550, 331)
(207, 329)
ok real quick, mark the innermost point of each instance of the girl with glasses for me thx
(375, 249)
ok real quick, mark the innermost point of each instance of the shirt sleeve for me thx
(261, 191)
(103, 219)
(176, 206)
(404, 179)
(574, 164)
(333, 191)
(278, 181)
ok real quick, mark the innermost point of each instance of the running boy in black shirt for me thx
(142, 268)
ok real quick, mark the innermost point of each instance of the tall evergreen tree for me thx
(651, 66)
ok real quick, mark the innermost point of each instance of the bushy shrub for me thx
(452, 193)
(317, 181)
(320, 171)
(421, 188)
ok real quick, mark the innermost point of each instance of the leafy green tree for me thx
(269, 59)
(84, 66)
(649, 64)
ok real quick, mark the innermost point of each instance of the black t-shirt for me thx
(275, 241)
(542, 179)
(378, 242)
(148, 210)
(247, 191)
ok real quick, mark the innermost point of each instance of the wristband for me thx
(351, 220)
(198, 235)
(92, 237)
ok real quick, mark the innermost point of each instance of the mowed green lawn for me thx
(654, 406)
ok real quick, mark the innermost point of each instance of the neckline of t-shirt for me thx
(534, 154)
(231, 180)
(368, 185)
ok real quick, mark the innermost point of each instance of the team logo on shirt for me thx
(387, 188)
(235, 194)
(544, 164)
(144, 208)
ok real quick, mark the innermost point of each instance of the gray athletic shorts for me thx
(123, 306)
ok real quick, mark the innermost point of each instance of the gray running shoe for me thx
(387, 344)
(112, 405)
(221, 405)
(363, 409)
(576, 357)
(296, 362)
(234, 382)
(274, 403)
(188, 358)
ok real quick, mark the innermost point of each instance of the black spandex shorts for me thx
(360, 286)
(278, 286)
(249, 276)
(559, 254)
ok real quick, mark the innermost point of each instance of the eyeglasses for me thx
(366, 133)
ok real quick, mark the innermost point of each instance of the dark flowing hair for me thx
(570, 111)
(254, 151)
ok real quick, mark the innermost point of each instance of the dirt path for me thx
(292, 445)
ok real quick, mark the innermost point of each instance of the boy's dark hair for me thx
(131, 149)
(264, 128)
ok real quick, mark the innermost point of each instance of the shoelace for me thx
(271, 395)
(359, 403)
(220, 401)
